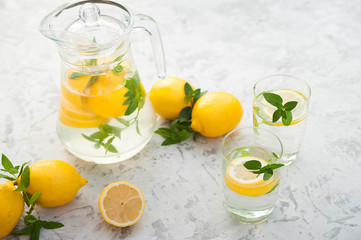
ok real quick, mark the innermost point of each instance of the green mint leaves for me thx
(180, 128)
(117, 69)
(283, 111)
(178, 132)
(192, 96)
(20, 175)
(135, 94)
(34, 225)
(256, 167)
(104, 137)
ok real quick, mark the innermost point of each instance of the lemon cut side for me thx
(121, 204)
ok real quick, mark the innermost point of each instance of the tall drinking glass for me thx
(250, 197)
(290, 89)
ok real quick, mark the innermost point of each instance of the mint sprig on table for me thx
(20, 175)
(283, 111)
(180, 128)
(256, 167)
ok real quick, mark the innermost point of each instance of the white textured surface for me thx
(217, 45)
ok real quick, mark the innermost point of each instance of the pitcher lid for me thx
(90, 24)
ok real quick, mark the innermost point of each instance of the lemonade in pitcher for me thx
(104, 115)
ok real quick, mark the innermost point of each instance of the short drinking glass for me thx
(249, 196)
(280, 105)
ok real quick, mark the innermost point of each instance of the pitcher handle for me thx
(146, 23)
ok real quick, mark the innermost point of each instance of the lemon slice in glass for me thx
(298, 113)
(244, 182)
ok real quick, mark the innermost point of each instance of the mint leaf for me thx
(22, 168)
(267, 175)
(135, 94)
(252, 165)
(187, 88)
(8, 166)
(198, 96)
(75, 75)
(187, 99)
(30, 219)
(7, 177)
(108, 145)
(27, 197)
(51, 225)
(123, 121)
(289, 106)
(34, 197)
(35, 234)
(169, 141)
(272, 166)
(165, 132)
(117, 69)
(24, 181)
(275, 155)
(173, 125)
(25, 231)
(273, 99)
(185, 114)
(183, 135)
(137, 127)
(89, 138)
(286, 118)
(276, 115)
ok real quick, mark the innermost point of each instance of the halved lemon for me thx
(121, 204)
(299, 113)
(242, 181)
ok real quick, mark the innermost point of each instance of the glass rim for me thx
(250, 127)
(309, 93)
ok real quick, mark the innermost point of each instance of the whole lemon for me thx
(58, 182)
(216, 113)
(167, 96)
(11, 207)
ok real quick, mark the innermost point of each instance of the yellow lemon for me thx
(107, 95)
(58, 182)
(216, 113)
(121, 204)
(242, 181)
(167, 96)
(11, 207)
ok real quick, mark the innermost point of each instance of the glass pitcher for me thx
(105, 115)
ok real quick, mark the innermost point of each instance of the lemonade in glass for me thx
(251, 173)
(284, 115)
